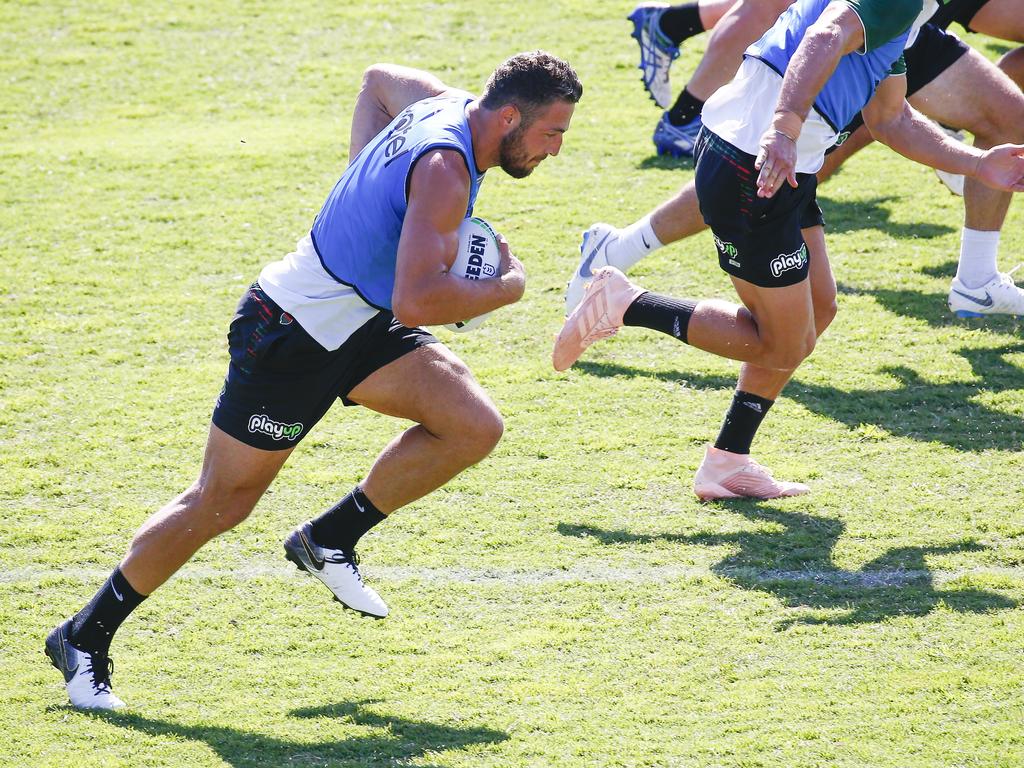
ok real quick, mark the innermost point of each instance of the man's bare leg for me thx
(772, 332)
(975, 95)
(743, 23)
(1002, 19)
(727, 470)
(677, 218)
(768, 382)
(990, 105)
(1012, 63)
(233, 478)
(457, 425)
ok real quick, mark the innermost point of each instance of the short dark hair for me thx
(531, 81)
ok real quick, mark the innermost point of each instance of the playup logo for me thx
(787, 261)
(728, 250)
(261, 424)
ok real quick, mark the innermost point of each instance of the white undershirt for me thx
(329, 311)
(929, 10)
(741, 111)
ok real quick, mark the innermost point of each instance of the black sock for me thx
(661, 313)
(94, 626)
(681, 22)
(341, 526)
(745, 415)
(686, 108)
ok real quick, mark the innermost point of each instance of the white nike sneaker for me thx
(593, 255)
(337, 569)
(86, 675)
(999, 296)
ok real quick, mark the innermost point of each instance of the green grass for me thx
(565, 603)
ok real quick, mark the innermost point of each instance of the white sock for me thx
(978, 250)
(636, 241)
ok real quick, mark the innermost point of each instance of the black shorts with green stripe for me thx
(758, 239)
(281, 381)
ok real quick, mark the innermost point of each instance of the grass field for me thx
(565, 603)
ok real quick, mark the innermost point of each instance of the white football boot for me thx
(657, 52)
(593, 255)
(999, 296)
(86, 675)
(954, 181)
(337, 569)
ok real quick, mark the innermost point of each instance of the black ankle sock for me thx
(342, 525)
(681, 22)
(94, 626)
(686, 108)
(745, 415)
(660, 313)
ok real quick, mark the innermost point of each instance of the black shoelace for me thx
(101, 667)
(342, 557)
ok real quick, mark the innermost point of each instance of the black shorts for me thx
(758, 239)
(934, 51)
(281, 381)
(960, 11)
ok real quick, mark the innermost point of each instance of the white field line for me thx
(583, 574)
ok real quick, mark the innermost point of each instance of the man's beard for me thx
(512, 155)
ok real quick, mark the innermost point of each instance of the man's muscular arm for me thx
(426, 293)
(836, 33)
(387, 89)
(893, 121)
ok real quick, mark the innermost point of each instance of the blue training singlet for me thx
(356, 232)
(857, 75)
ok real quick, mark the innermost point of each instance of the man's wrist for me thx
(512, 286)
(789, 124)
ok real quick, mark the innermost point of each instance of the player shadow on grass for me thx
(795, 565)
(395, 740)
(931, 307)
(843, 216)
(915, 408)
(665, 163)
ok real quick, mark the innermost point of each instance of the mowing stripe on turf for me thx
(580, 574)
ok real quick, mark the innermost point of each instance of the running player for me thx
(765, 136)
(340, 318)
(947, 81)
(660, 30)
(957, 86)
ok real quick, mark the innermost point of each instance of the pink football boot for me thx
(597, 316)
(724, 475)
